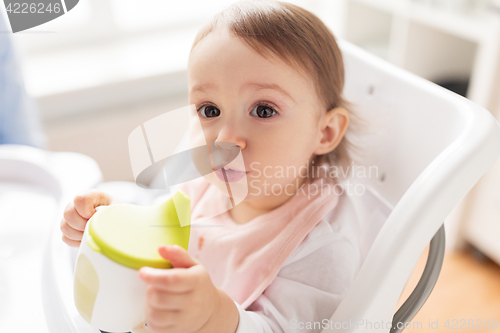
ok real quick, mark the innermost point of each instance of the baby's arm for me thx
(308, 288)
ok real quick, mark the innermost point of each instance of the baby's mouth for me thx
(228, 167)
(229, 175)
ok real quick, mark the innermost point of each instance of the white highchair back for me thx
(430, 146)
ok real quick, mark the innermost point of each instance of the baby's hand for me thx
(181, 299)
(78, 212)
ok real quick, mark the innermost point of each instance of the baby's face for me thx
(267, 108)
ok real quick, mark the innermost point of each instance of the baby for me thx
(267, 77)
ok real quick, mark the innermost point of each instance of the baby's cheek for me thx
(272, 175)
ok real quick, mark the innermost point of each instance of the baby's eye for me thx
(209, 111)
(263, 111)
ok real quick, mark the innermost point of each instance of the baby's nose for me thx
(223, 153)
(230, 137)
(226, 145)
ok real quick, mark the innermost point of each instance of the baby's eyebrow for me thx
(272, 86)
(202, 87)
(256, 85)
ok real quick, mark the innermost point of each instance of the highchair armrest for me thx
(424, 286)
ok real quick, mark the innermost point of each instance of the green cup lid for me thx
(130, 234)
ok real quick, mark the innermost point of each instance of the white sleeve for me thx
(310, 285)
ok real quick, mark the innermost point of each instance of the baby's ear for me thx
(333, 127)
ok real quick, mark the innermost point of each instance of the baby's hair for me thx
(302, 40)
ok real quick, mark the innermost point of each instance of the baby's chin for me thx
(255, 189)
(238, 190)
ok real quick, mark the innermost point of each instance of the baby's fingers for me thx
(69, 232)
(71, 242)
(86, 202)
(73, 219)
(162, 300)
(175, 280)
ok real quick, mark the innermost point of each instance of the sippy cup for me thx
(118, 241)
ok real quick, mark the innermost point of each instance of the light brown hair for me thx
(299, 38)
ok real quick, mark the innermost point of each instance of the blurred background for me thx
(107, 62)
(107, 66)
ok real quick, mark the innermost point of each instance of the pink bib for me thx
(243, 259)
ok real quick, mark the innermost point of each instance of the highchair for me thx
(35, 186)
(430, 147)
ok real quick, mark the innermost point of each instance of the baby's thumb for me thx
(178, 257)
(86, 202)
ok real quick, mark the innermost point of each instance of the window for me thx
(102, 21)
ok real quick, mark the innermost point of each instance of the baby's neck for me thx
(244, 213)
(248, 210)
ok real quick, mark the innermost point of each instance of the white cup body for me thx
(119, 297)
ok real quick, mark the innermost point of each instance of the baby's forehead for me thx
(232, 56)
(221, 41)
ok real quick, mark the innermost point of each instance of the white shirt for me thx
(313, 281)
